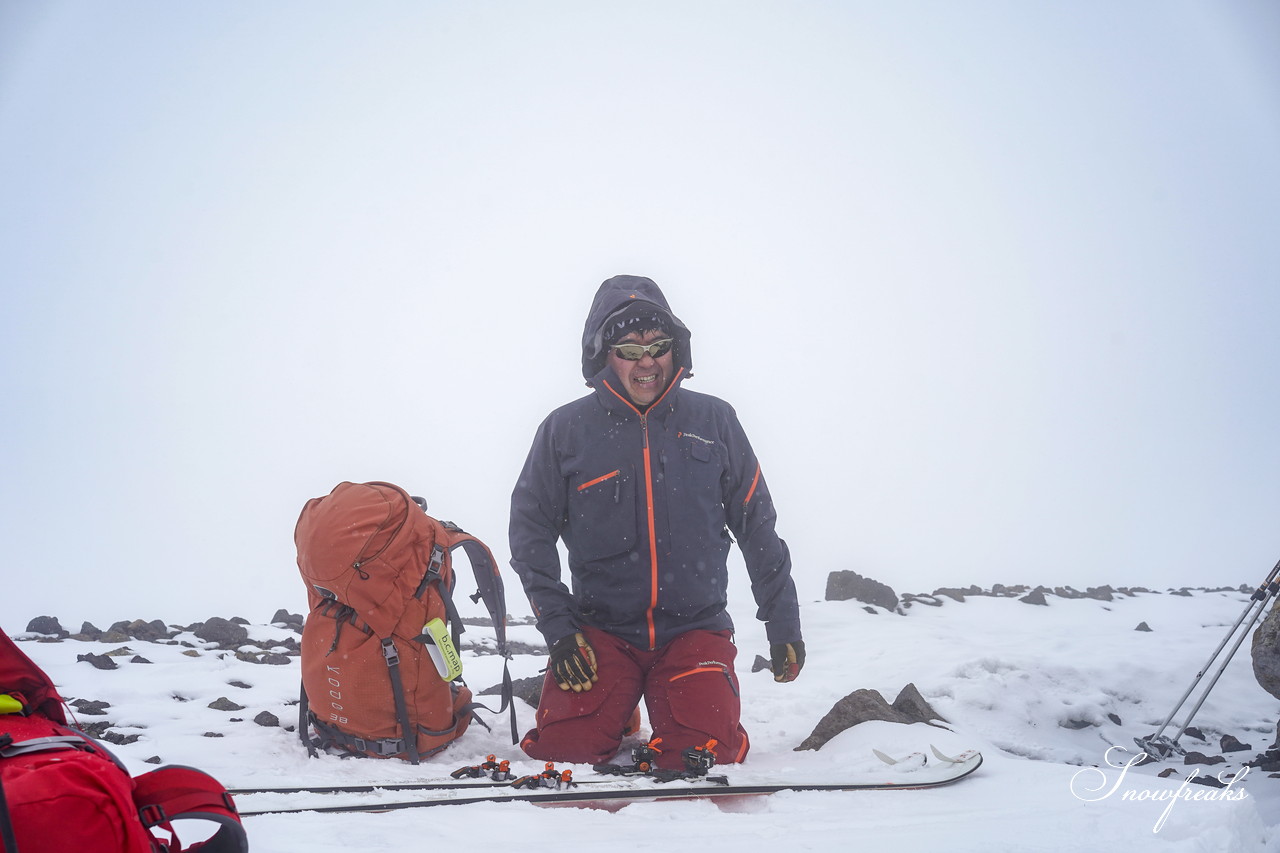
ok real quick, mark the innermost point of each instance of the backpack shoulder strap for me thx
(489, 589)
(176, 791)
(488, 581)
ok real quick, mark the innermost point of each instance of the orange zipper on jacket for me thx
(653, 536)
(648, 499)
(755, 481)
(598, 480)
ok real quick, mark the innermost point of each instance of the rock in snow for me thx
(846, 585)
(864, 705)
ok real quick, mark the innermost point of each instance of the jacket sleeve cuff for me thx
(783, 631)
(557, 628)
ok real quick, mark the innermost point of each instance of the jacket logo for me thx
(695, 438)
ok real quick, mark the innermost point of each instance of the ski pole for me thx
(1158, 747)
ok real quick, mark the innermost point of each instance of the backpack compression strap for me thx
(392, 657)
(7, 835)
(6, 823)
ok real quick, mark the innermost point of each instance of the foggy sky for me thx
(993, 286)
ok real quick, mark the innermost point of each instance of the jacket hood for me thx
(623, 293)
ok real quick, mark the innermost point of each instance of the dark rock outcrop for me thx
(1266, 653)
(138, 629)
(846, 586)
(226, 633)
(863, 705)
(88, 632)
(1230, 743)
(1208, 781)
(46, 625)
(222, 703)
(90, 706)
(289, 620)
(529, 689)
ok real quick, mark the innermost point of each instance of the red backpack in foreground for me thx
(62, 792)
(381, 674)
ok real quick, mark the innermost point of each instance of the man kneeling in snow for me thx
(645, 481)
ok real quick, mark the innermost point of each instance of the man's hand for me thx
(787, 660)
(573, 663)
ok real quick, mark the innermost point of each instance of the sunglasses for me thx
(635, 352)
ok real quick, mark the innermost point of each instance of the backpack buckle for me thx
(434, 570)
(389, 652)
(389, 746)
(152, 814)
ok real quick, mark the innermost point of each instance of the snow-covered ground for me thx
(1043, 691)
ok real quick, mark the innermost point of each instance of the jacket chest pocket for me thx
(601, 515)
(699, 472)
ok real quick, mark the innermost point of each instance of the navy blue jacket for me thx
(646, 503)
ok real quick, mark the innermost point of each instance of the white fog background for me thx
(992, 285)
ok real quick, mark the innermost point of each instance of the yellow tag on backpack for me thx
(442, 651)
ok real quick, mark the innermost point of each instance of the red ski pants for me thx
(688, 686)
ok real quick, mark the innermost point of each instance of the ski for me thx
(956, 769)
(420, 786)
(370, 788)
(915, 759)
(947, 759)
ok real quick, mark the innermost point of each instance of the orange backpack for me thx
(380, 670)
